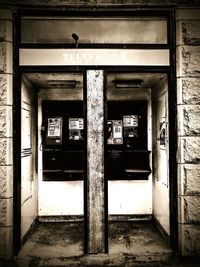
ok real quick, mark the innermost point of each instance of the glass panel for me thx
(143, 30)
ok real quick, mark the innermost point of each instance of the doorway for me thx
(137, 157)
(53, 153)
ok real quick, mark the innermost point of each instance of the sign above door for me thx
(93, 57)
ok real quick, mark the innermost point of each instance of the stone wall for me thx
(188, 157)
(6, 161)
(101, 3)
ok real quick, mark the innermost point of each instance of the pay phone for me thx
(127, 154)
(54, 131)
(131, 124)
(63, 140)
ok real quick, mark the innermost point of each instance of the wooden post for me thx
(95, 162)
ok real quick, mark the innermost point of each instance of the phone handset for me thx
(42, 133)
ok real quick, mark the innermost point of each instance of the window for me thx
(127, 30)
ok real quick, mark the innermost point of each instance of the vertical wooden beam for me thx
(95, 161)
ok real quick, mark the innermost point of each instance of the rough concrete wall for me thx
(188, 92)
(6, 162)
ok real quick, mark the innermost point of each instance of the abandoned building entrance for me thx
(96, 134)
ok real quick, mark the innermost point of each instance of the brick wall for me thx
(6, 162)
(188, 157)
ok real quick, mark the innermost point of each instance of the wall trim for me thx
(79, 218)
(30, 231)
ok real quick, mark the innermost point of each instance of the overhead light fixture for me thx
(134, 83)
(65, 84)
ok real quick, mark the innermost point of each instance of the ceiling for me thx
(75, 80)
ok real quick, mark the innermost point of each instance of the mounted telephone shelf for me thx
(137, 171)
(128, 165)
(63, 175)
(137, 174)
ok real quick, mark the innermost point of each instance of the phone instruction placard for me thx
(76, 127)
(130, 121)
(54, 131)
(54, 127)
(115, 132)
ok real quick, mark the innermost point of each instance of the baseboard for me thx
(130, 217)
(78, 218)
(61, 218)
(161, 229)
(30, 231)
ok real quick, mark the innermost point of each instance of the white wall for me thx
(130, 197)
(160, 155)
(28, 162)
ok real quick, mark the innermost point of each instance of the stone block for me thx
(179, 37)
(180, 120)
(6, 243)
(188, 91)
(6, 211)
(188, 150)
(192, 209)
(5, 121)
(188, 14)
(181, 178)
(188, 120)
(5, 30)
(6, 65)
(6, 181)
(6, 14)
(180, 210)
(188, 32)
(188, 179)
(179, 90)
(6, 157)
(188, 61)
(5, 89)
(189, 239)
(191, 32)
(191, 60)
(192, 150)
